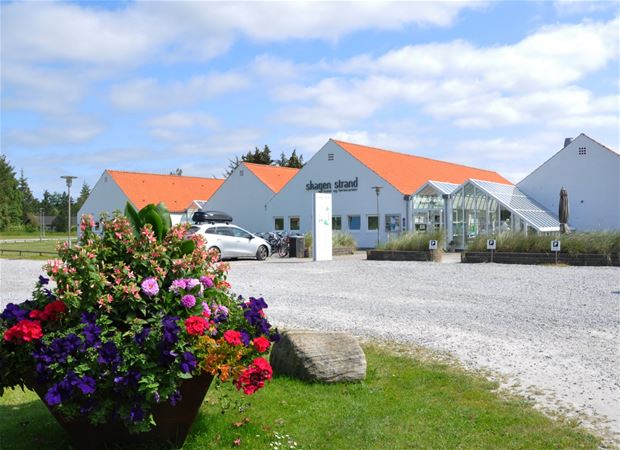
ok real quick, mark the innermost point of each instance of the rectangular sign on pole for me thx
(491, 244)
(555, 246)
(322, 227)
(432, 244)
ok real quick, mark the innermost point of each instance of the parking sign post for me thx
(555, 248)
(432, 246)
(491, 245)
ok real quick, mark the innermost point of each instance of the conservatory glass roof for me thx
(432, 187)
(513, 199)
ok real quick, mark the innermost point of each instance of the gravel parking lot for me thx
(551, 332)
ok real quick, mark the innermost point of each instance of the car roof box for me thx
(211, 216)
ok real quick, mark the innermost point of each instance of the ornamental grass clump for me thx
(414, 241)
(133, 313)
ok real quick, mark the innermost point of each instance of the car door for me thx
(227, 242)
(244, 242)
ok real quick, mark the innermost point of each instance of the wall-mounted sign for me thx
(555, 246)
(335, 186)
(432, 244)
(491, 244)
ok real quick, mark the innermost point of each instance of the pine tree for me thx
(295, 161)
(30, 205)
(84, 193)
(10, 196)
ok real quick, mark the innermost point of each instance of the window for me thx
(238, 232)
(293, 223)
(373, 222)
(582, 151)
(336, 223)
(278, 224)
(330, 156)
(354, 222)
(223, 231)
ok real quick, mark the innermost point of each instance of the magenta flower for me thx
(177, 285)
(188, 300)
(149, 286)
(207, 282)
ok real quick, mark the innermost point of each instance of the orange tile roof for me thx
(176, 192)
(408, 172)
(274, 177)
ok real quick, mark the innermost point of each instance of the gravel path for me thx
(552, 332)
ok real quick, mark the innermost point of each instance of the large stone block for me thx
(324, 356)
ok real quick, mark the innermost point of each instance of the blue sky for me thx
(155, 86)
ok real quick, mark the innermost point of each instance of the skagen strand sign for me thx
(332, 186)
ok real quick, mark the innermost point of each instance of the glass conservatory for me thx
(477, 207)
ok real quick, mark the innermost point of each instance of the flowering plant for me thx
(134, 312)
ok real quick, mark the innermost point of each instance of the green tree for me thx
(10, 196)
(84, 193)
(178, 172)
(259, 156)
(295, 161)
(60, 223)
(30, 205)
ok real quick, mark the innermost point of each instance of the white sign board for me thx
(491, 244)
(322, 227)
(555, 246)
(432, 244)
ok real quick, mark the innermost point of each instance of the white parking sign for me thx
(555, 246)
(432, 244)
(491, 244)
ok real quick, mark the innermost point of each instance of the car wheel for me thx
(261, 253)
(216, 254)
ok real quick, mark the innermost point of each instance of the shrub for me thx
(415, 241)
(339, 239)
(604, 243)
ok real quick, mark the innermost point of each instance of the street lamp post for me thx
(377, 191)
(41, 225)
(69, 179)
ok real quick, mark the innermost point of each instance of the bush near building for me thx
(414, 241)
(603, 243)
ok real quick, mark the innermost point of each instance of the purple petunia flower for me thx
(140, 337)
(245, 337)
(175, 398)
(220, 314)
(188, 362)
(136, 414)
(13, 313)
(43, 280)
(108, 354)
(170, 329)
(86, 384)
(188, 300)
(149, 286)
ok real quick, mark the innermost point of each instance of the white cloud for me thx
(528, 82)
(581, 7)
(71, 131)
(148, 93)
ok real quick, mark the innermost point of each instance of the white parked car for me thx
(231, 241)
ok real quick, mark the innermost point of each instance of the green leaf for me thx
(152, 216)
(187, 246)
(165, 217)
(134, 218)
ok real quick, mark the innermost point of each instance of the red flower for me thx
(233, 337)
(196, 325)
(261, 344)
(37, 314)
(254, 377)
(24, 331)
(54, 309)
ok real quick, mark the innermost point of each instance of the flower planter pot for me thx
(173, 422)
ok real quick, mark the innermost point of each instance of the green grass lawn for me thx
(11, 250)
(404, 403)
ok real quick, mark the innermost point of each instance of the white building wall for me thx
(592, 181)
(244, 197)
(295, 200)
(106, 196)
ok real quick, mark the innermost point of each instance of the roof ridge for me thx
(414, 156)
(161, 174)
(269, 165)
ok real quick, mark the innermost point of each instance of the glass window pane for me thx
(354, 222)
(373, 223)
(336, 223)
(294, 223)
(278, 223)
